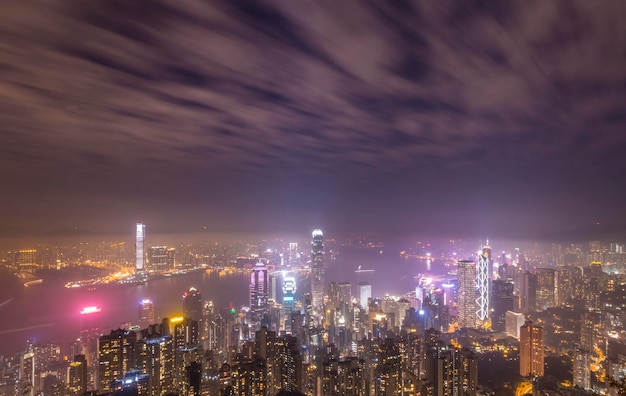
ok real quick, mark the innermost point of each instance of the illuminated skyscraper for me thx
(146, 313)
(317, 268)
(467, 293)
(140, 252)
(482, 284)
(501, 302)
(531, 350)
(365, 293)
(192, 304)
(161, 258)
(156, 358)
(26, 372)
(259, 292)
(116, 356)
(546, 288)
(77, 376)
(289, 292)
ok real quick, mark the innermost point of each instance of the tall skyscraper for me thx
(116, 356)
(531, 351)
(546, 288)
(365, 293)
(192, 304)
(482, 284)
(140, 251)
(467, 293)
(146, 313)
(289, 293)
(582, 369)
(77, 376)
(501, 301)
(317, 268)
(161, 258)
(259, 292)
(156, 358)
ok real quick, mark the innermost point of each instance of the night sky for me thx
(460, 118)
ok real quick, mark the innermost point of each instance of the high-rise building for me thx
(116, 356)
(192, 304)
(156, 358)
(365, 293)
(531, 354)
(26, 372)
(486, 252)
(546, 288)
(450, 371)
(289, 295)
(161, 258)
(317, 268)
(501, 302)
(513, 322)
(482, 285)
(528, 291)
(140, 251)
(582, 369)
(467, 293)
(259, 293)
(77, 376)
(146, 313)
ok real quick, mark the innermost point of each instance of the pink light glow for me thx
(90, 310)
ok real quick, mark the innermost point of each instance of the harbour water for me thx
(50, 312)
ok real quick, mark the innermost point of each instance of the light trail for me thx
(26, 328)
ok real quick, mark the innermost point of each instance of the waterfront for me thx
(50, 312)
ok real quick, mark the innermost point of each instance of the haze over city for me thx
(457, 117)
(369, 198)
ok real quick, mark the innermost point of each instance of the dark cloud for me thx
(342, 109)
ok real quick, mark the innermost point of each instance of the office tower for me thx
(140, 252)
(259, 293)
(482, 285)
(156, 358)
(531, 350)
(317, 268)
(582, 369)
(513, 322)
(116, 356)
(77, 376)
(467, 293)
(501, 302)
(26, 260)
(192, 304)
(146, 313)
(26, 372)
(528, 292)
(486, 253)
(365, 293)
(545, 288)
(161, 258)
(289, 293)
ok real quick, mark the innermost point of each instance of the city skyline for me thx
(403, 117)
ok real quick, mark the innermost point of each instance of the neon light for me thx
(176, 319)
(90, 310)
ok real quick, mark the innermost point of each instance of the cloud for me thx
(127, 93)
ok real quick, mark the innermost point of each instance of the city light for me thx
(90, 310)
